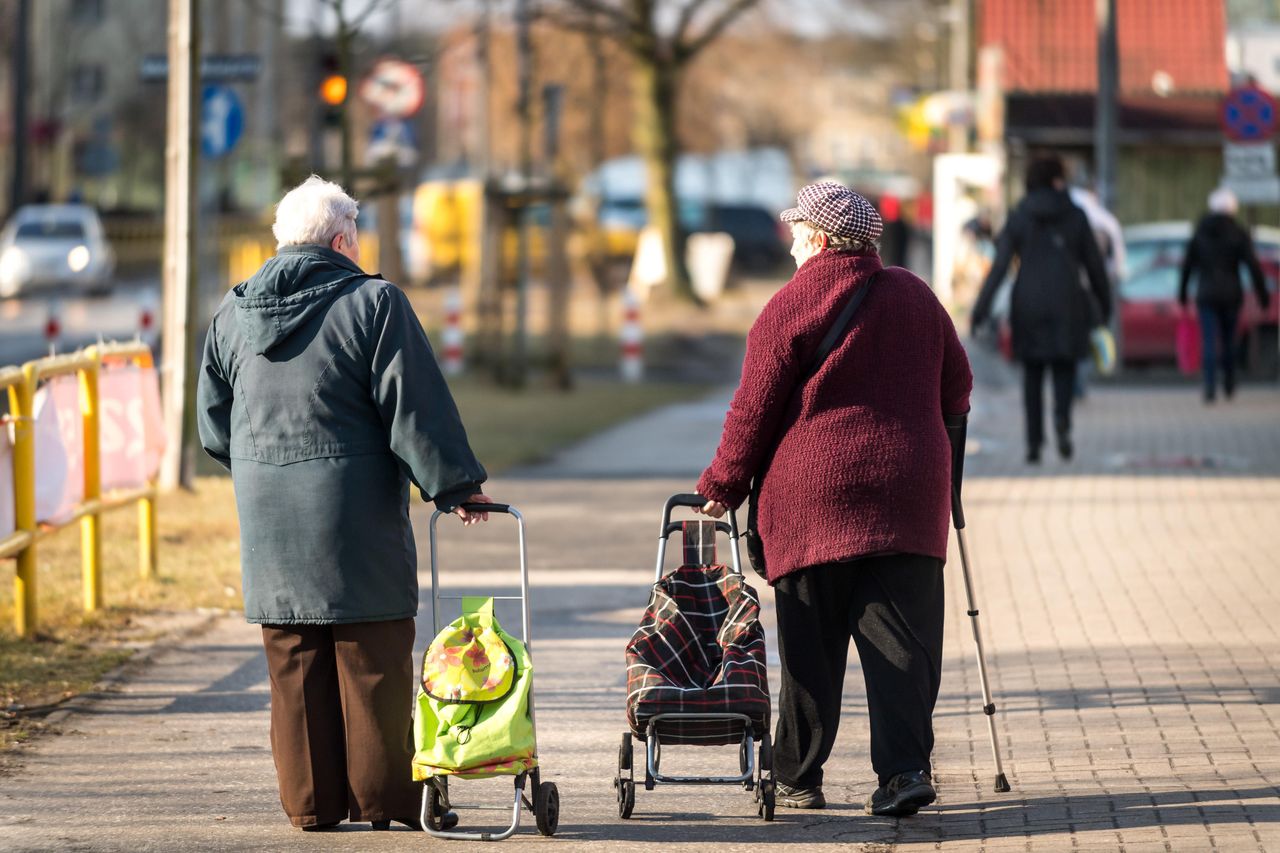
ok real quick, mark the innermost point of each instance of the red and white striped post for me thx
(53, 328)
(632, 365)
(453, 335)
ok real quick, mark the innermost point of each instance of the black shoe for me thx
(1065, 448)
(903, 796)
(448, 821)
(321, 827)
(1033, 456)
(795, 797)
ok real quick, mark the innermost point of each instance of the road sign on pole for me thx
(1249, 114)
(221, 121)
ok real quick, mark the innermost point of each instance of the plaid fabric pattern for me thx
(699, 649)
(837, 210)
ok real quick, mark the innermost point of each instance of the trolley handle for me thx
(697, 502)
(471, 506)
(676, 527)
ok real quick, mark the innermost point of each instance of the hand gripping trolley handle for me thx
(753, 776)
(545, 803)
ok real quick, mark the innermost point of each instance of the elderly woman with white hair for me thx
(320, 393)
(1218, 248)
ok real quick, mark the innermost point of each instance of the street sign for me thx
(395, 88)
(1248, 161)
(221, 121)
(215, 68)
(1249, 114)
(392, 137)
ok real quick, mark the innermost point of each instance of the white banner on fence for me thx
(130, 426)
(59, 450)
(7, 521)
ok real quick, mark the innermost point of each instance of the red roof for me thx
(1051, 45)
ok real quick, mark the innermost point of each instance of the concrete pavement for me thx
(1127, 602)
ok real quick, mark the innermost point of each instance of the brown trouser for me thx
(340, 720)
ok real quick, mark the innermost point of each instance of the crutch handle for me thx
(957, 430)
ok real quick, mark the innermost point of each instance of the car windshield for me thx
(50, 229)
(1155, 284)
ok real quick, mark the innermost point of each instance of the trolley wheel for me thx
(767, 800)
(625, 753)
(546, 808)
(439, 817)
(626, 797)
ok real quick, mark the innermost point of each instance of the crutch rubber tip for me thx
(1002, 784)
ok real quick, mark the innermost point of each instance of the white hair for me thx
(315, 211)
(1223, 200)
(840, 244)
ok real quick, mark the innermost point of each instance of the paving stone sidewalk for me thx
(1128, 602)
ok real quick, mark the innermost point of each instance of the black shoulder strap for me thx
(838, 329)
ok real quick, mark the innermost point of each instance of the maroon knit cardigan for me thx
(863, 465)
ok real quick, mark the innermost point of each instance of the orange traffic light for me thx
(333, 90)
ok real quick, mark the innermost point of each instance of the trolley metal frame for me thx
(545, 804)
(752, 775)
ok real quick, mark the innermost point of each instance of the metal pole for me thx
(21, 83)
(958, 135)
(180, 278)
(518, 372)
(1105, 151)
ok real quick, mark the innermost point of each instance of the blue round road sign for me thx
(1249, 114)
(221, 120)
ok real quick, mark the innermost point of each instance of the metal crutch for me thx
(957, 428)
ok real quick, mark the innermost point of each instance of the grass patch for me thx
(200, 546)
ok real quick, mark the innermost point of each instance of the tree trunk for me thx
(656, 85)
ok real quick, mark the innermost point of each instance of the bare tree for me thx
(662, 37)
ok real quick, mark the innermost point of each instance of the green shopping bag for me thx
(473, 717)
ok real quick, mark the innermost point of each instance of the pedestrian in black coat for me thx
(1051, 312)
(1214, 254)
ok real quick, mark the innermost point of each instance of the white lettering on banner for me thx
(59, 450)
(130, 427)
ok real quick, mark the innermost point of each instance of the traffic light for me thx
(333, 89)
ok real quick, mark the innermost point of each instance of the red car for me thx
(1149, 297)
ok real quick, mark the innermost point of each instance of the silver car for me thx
(46, 246)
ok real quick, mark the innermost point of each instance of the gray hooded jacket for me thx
(320, 393)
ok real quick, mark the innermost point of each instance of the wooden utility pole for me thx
(1105, 148)
(21, 83)
(182, 157)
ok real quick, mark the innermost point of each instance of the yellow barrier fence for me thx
(21, 384)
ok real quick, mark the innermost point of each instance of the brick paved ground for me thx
(1127, 601)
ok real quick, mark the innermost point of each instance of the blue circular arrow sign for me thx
(221, 120)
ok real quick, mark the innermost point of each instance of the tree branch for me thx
(685, 51)
(592, 8)
(687, 15)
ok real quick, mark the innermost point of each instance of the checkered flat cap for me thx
(836, 209)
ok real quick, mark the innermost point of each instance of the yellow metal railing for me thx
(22, 384)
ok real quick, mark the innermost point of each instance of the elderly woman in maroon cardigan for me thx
(855, 497)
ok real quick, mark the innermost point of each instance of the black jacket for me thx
(1051, 313)
(320, 392)
(1214, 254)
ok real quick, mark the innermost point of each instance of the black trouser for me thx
(893, 608)
(341, 699)
(1064, 386)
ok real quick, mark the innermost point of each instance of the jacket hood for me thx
(1219, 225)
(1046, 204)
(289, 290)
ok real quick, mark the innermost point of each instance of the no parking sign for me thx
(1248, 114)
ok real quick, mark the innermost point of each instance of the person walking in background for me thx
(1217, 249)
(1051, 313)
(856, 493)
(1110, 237)
(320, 393)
